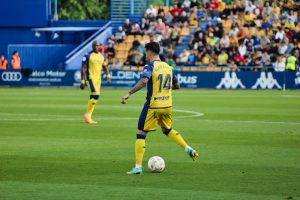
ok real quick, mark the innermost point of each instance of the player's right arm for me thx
(140, 84)
(83, 71)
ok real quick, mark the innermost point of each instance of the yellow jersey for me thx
(159, 86)
(94, 62)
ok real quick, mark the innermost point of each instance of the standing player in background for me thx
(160, 80)
(92, 65)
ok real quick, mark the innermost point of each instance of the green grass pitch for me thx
(249, 145)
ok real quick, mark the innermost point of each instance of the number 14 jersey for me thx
(159, 86)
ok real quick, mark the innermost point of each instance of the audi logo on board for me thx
(11, 76)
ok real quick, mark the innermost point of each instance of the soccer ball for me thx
(156, 164)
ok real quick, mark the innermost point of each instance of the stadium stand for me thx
(216, 35)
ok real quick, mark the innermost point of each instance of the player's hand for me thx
(82, 86)
(108, 79)
(124, 98)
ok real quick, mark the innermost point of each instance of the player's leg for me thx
(94, 96)
(147, 122)
(165, 121)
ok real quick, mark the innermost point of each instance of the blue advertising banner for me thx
(211, 80)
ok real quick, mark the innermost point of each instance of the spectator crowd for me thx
(229, 33)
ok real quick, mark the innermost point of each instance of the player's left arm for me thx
(106, 72)
(138, 86)
(175, 83)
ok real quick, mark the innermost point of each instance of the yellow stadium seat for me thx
(185, 31)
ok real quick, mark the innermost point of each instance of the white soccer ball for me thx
(156, 164)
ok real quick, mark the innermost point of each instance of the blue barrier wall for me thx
(41, 56)
(210, 80)
(24, 13)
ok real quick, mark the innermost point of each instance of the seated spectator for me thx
(279, 65)
(213, 8)
(160, 27)
(3, 63)
(267, 10)
(127, 26)
(102, 49)
(151, 10)
(111, 52)
(242, 49)
(266, 24)
(169, 18)
(175, 36)
(133, 57)
(239, 59)
(193, 20)
(241, 34)
(144, 26)
(15, 61)
(183, 57)
(265, 59)
(257, 58)
(212, 40)
(217, 32)
(250, 8)
(191, 59)
(183, 19)
(135, 30)
(224, 42)
(111, 40)
(160, 9)
(194, 4)
(233, 41)
(249, 19)
(205, 59)
(120, 34)
(282, 48)
(166, 41)
(175, 9)
(280, 35)
(222, 58)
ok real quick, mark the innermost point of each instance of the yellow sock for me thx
(177, 138)
(91, 106)
(139, 149)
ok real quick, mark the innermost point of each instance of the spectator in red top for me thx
(103, 49)
(3, 63)
(15, 61)
(213, 8)
(175, 9)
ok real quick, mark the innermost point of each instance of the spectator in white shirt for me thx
(250, 7)
(152, 10)
(242, 49)
(279, 65)
(280, 35)
(282, 48)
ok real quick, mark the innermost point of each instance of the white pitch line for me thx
(67, 117)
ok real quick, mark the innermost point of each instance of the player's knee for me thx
(166, 131)
(94, 97)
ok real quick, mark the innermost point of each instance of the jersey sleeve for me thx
(147, 73)
(175, 79)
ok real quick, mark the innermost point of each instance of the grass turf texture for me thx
(249, 145)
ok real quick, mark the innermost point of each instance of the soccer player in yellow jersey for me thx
(92, 65)
(160, 80)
